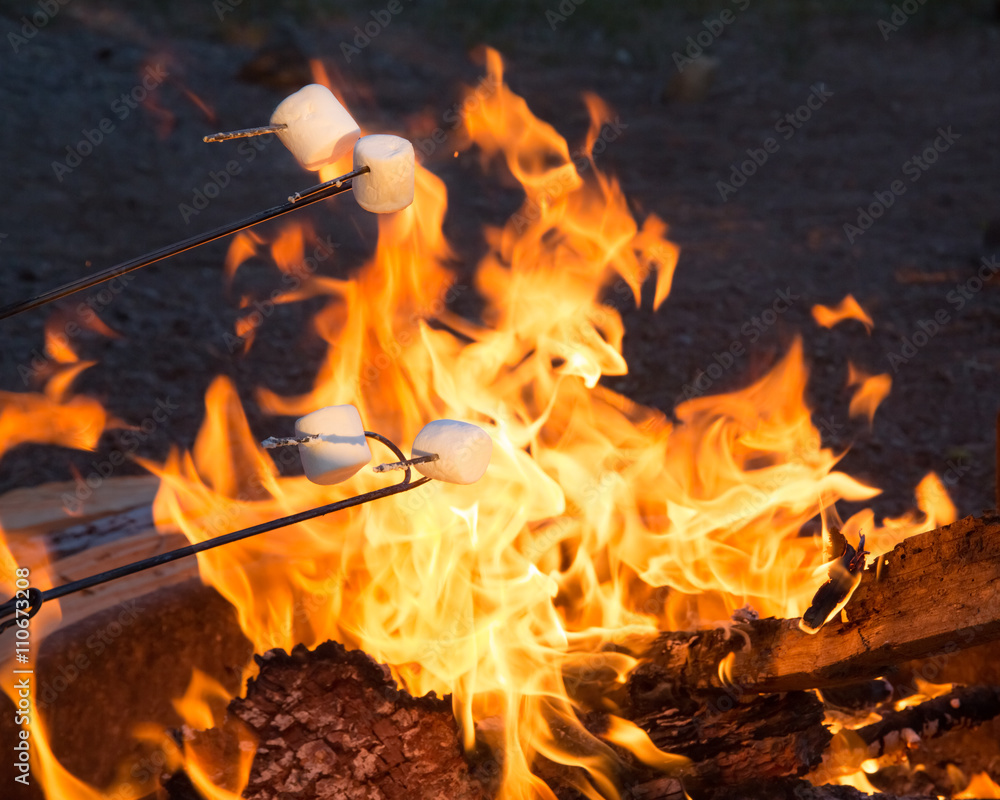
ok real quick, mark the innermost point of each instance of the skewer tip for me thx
(245, 133)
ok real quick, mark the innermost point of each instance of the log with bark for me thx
(970, 706)
(331, 723)
(933, 595)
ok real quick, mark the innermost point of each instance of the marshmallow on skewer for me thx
(389, 185)
(319, 128)
(341, 448)
(463, 451)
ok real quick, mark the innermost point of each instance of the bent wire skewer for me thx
(298, 200)
(34, 598)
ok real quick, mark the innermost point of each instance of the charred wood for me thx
(332, 724)
(934, 595)
(968, 707)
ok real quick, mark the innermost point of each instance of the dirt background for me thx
(783, 230)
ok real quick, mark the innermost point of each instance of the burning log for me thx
(332, 724)
(968, 707)
(734, 742)
(934, 595)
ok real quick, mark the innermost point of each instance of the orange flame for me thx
(243, 247)
(598, 521)
(848, 308)
(203, 707)
(980, 786)
(77, 422)
(493, 592)
(871, 391)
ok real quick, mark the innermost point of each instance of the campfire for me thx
(626, 602)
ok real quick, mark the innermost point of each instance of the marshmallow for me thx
(389, 185)
(464, 451)
(319, 128)
(341, 449)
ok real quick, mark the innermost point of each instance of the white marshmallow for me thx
(319, 128)
(464, 451)
(389, 186)
(341, 449)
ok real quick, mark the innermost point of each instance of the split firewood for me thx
(731, 741)
(968, 707)
(935, 594)
(938, 744)
(55, 506)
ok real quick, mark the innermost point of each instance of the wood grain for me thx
(934, 595)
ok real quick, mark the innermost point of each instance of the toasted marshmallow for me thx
(390, 183)
(319, 128)
(463, 451)
(341, 449)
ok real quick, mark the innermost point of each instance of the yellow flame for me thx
(598, 521)
(492, 592)
(925, 691)
(981, 786)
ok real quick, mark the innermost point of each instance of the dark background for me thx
(784, 230)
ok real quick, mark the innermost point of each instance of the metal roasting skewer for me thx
(274, 442)
(10, 611)
(299, 196)
(308, 197)
(406, 463)
(245, 133)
